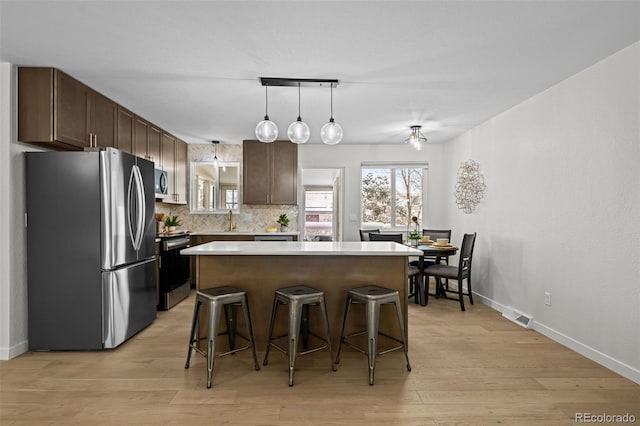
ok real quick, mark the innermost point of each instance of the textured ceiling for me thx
(193, 67)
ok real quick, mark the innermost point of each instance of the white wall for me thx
(13, 284)
(562, 210)
(349, 157)
(5, 194)
(13, 259)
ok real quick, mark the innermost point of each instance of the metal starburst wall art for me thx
(469, 186)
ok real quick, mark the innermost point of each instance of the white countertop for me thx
(301, 248)
(244, 233)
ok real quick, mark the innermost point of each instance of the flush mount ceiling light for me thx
(331, 133)
(299, 132)
(266, 130)
(416, 138)
(215, 154)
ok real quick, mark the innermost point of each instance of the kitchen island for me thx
(261, 267)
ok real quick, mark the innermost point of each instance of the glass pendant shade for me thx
(331, 133)
(266, 130)
(299, 131)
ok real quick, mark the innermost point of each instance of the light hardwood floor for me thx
(470, 367)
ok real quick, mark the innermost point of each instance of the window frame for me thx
(392, 166)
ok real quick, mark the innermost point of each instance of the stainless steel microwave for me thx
(161, 181)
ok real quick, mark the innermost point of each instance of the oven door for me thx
(174, 267)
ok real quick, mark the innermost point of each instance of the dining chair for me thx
(364, 234)
(458, 273)
(396, 238)
(413, 272)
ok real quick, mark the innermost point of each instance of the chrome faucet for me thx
(230, 219)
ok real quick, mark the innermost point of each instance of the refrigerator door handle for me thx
(142, 206)
(130, 209)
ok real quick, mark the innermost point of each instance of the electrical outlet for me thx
(547, 298)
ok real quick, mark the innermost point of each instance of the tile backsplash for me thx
(251, 218)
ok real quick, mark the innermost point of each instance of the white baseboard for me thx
(603, 359)
(7, 353)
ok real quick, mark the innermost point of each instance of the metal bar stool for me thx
(299, 298)
(216, 298)
(373, 297)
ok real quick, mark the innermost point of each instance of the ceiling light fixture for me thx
(299, 131)
(215, 155)
(416, 138)
(266, 130)
(331, 133)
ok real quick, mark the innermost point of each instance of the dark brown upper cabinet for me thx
(269, 173)
(154, 143)
(140, 136)
(60, 112)
(167, 163)
(125, 130)
(147, 140)
(180, 170)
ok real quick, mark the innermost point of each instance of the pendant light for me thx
(266, 130)
(416, 138)
(331, 133)
(299, 131)
(215, 155)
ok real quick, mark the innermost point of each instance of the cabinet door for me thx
(284, 173)
(255, 172)
(104, 114)
(35, 105)
(181, 171)
(168, 155)
(140, 129)
(154, 140)
(125, 131)
(71, 99)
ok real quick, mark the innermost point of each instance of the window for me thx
(392, 194)
(318, 214)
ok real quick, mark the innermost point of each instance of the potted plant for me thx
(171, 222)
(283, 221)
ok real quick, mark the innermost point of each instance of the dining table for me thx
(438, 253)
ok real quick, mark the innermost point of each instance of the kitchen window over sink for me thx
(391, 194)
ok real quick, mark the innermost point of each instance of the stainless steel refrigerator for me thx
(90, 248)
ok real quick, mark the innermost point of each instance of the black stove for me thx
(175, 274)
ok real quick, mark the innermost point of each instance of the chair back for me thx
(396, 238)
(466, 255)
(437, 233)
(364, 233)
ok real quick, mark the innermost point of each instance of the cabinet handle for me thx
(95, 141)
(90, 140)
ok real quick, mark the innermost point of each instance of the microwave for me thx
(161, 182)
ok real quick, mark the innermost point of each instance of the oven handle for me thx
(175, 244)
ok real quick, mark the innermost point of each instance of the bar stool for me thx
(216, 298)
(373, 296)
(299, 298)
